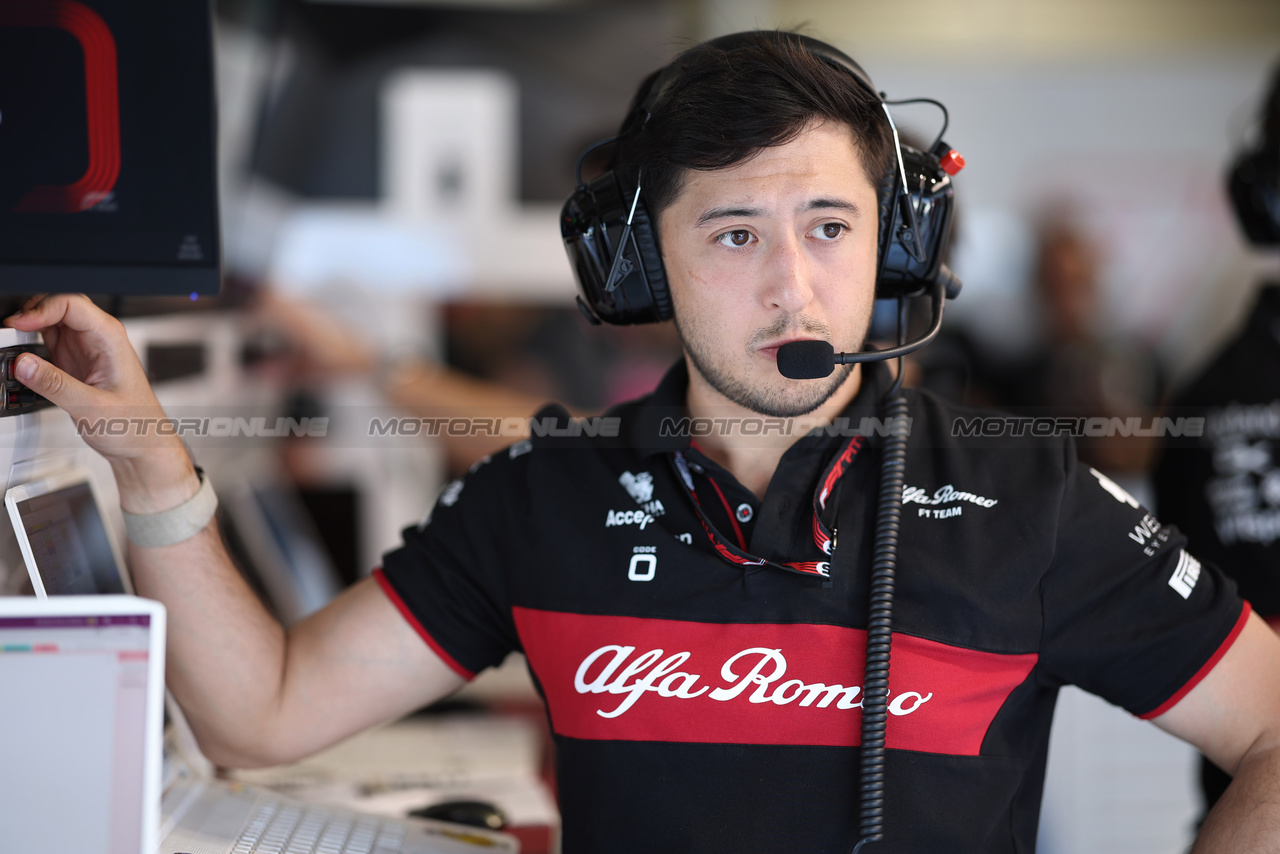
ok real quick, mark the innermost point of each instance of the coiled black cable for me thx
(875, 682)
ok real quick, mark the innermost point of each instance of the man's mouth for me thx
(770, 350)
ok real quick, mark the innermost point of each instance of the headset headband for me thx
(612, 241)
(1253, 180)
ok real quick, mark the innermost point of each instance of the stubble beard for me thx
(798, 397)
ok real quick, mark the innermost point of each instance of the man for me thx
(1223, 489)
(693, 610)
(1080, 368)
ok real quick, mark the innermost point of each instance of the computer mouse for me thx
(471, 813)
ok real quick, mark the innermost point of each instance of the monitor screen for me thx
(69, 542)
(107, 144)
(275, 545)
(73, 749)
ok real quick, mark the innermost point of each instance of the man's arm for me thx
(1233, 716)
(254, 694)
(324, 346)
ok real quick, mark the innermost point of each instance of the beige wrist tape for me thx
(181, 523)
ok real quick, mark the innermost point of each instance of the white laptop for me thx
(81, 711)
(68, 549)
(65, 541)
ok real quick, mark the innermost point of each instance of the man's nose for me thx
(788, 278)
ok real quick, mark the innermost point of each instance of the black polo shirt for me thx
(703, 684)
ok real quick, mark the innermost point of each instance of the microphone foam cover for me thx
(806, 360)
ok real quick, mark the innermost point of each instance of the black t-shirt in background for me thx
(1222, 489)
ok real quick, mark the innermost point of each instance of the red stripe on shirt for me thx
(643, 679)
(1203, 671)
(448, 659)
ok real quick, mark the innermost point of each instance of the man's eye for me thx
(737, 237)
(829, 230)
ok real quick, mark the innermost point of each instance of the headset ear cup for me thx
(888, 194)
(645, 234)
(592, 225)
(1254, 187)
(900, 272)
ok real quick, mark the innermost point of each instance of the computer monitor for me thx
(81, 722)
(107, 144)
(275, 543)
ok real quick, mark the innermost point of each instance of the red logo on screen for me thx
(101, 96)
(633, 679)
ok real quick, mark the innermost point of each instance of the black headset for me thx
(612, 240)
(1253, 181)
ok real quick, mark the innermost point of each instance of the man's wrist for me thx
(174, 526)
(155, 482)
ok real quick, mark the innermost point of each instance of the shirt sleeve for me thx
(1129, 614)
(450, 578)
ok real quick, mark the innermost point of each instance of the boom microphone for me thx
(813, 360)
(806, 360)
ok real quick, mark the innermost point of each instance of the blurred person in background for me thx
(1080, 368)
(1223, 488)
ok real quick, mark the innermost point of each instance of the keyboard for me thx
(284, 827)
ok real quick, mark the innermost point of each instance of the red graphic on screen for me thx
(101, 96)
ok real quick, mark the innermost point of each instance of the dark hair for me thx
(726, 105)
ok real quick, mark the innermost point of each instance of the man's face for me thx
(779, 248)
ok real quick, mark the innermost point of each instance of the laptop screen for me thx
(69, 542)
(74, 730)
